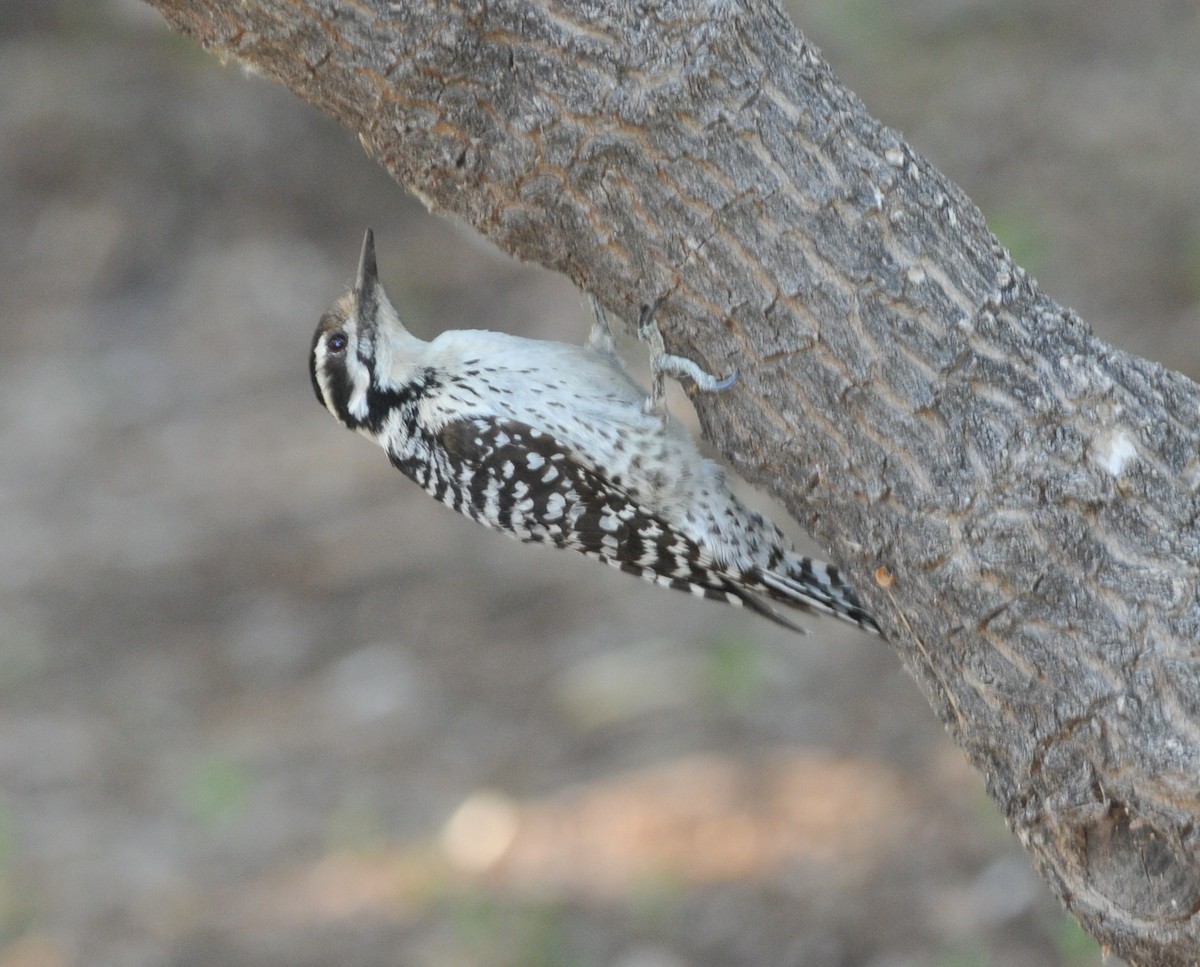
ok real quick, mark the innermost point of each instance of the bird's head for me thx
(355, 345)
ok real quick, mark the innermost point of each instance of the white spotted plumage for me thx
(556, 443)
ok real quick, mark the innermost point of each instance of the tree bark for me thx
(1016, 500)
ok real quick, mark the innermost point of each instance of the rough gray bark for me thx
(1016, 500)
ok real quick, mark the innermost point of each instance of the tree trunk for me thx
(1016, 500)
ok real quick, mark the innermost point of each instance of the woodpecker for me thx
(555, 443)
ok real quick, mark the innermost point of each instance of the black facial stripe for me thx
(312, 366)
(381, 402)
(340, 388)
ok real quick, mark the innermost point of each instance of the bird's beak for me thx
(366, 286)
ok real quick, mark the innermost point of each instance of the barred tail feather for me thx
(814, 585)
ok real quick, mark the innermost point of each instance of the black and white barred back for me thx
(555, 443)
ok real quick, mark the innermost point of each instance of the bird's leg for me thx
(663, 364)
(600, 338)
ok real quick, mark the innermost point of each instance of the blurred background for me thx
(264, 703)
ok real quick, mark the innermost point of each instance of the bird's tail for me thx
(813, 586)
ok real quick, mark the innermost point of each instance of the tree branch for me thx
(1026, 495)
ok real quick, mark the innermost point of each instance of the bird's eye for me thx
(336, 342)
